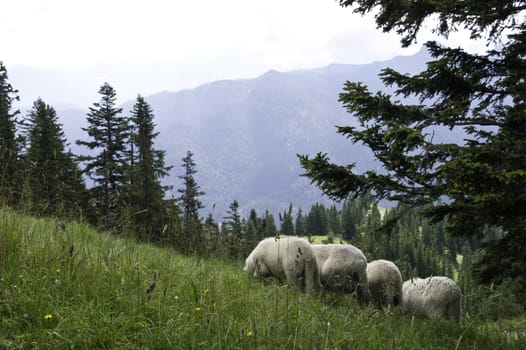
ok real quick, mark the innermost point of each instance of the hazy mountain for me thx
(245, 134)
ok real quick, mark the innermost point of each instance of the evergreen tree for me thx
(191, 241)
(483, 177)
(233, 228)
(251, 235)
(258, 224)
(109, 132)
(233, 219)
(316, 223)
(287, 225)
(269, 225)
(10, 185)
(333, 220)
(145, 192)
(300, 223)
(56, 185)
(212, 235)
(348, 224)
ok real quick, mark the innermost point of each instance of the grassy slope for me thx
(63, 287)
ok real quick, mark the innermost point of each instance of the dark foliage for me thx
(475, 184)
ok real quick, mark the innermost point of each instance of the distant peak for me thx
(271, 73)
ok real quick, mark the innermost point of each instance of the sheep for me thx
(288, 258)
(385, 283)
(432, 297)
(343, 269)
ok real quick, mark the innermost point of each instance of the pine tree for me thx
(269, 225)
(10, 185)
(300, 223)
(286, 223)
(333, 221)
(109, 132)
(348, 224)
(56, 185)
(191, 241)
(146, 170)
(316, 223)
(233, 219)
(212, 235)
(258, 224)
(233, 228)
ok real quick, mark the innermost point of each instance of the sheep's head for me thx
(340, 279)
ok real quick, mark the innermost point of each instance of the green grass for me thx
(72, 287)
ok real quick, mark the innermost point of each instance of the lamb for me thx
(289, 258)
(432, 297)
(385, 283)
(343, 269)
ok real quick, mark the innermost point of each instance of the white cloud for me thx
(68, 33)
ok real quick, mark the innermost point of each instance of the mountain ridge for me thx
(245, 134)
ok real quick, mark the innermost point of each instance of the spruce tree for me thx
(146, 170)
(10, 173)
(300, 223)
(232, 229)
(287, 225)
(212, 235)
(191, 241)
(233, 218)
(55, 183)
(269, 225)
(316, 223)
(333, 220)
(348, 224)
(475, 182)
(109, 132)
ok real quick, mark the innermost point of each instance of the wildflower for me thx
(48, 317)
(57, 270)
(250, 334)
(198, 309)
(205, 291)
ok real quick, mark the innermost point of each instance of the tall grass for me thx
(67, 286)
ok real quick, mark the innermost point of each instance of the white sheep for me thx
(432, 297)
(343, 269)
(289, 259)
(385, 283)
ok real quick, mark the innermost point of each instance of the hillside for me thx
(63, 285)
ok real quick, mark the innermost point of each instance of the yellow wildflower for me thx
(48, 317)
(250, 334)
(205, 291)
(198, 309)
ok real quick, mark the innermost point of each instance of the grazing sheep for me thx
(432, 297)
(343, 269)
(288, 258)
(385, 283)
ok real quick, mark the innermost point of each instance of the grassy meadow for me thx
(64, 285)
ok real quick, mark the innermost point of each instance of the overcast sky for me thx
(173, 44)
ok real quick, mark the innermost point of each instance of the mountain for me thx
(245, 134)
